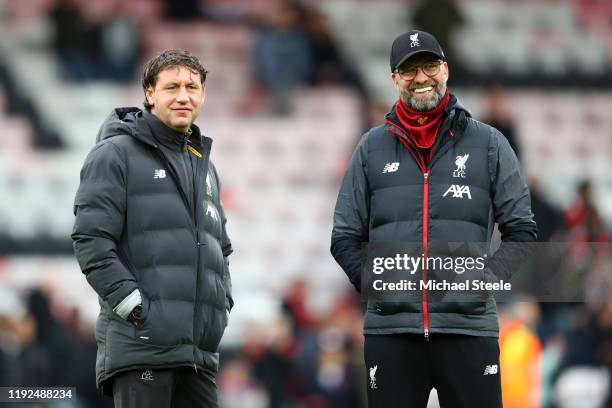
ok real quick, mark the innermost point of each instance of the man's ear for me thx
(149, 95)
(395, 80)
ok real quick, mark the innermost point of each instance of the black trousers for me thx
(169, 388)
(403, 368)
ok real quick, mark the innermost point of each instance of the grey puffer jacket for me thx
(137, 227)
(390, 193)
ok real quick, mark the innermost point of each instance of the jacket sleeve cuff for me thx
(125, 307)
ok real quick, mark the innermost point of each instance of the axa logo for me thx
(458, 191)
(159, 174)
(147, 375)
(490, 370)
(414, 40)
(391, 167)
(373, 377)
(460, 163)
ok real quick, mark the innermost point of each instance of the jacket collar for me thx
(131, 121)
(169, 138)
(455, 112)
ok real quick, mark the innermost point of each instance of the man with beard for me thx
(430, 174)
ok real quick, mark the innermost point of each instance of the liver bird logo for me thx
(414, 40)
(373, 377)
(460, 163)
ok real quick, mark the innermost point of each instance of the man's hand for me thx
(136, 315)
(130, 308)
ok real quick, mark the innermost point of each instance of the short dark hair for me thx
(169, 59)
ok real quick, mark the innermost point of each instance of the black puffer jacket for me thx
(390, 194)
(137, 227)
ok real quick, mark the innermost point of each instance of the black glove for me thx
(135, 315)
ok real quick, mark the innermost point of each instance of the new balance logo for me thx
(159, 174)
(147, 375)
(391, 167)
(458, 191)
(490, 370)
(373, 377)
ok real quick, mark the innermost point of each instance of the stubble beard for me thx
(427, 105)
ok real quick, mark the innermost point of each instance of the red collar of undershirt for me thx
(422, 126)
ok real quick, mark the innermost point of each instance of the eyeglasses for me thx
(429, 68)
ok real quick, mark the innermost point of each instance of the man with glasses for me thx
(430, 174)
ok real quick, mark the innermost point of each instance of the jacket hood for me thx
(124, 121)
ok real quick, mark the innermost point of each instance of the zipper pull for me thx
(426, 335)
(195, 367)
(426, 177)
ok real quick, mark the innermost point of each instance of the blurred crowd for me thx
(44, 342)
(294, 47)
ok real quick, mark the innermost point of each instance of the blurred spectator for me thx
(587, 233)
(238, 389)
(119, 44)
(336, 379)
(182, 10)
(329, 64)
(589, 344)
(441, 18)
(16, 332)
(271, 355)
(500, 118)
(295, 306)
(583, 217)
(282, 58)
(36, 349)
(550, 222)
(548, 218)
(583, 204)
(295, 47)
(51, 347)
(73, 40)
(520, 355)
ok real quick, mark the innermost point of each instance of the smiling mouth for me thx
(422, 90)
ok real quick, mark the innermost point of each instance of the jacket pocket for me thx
(162, 324)
(388, 308)
(214, 327)
(465, 301)
(464, 308)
